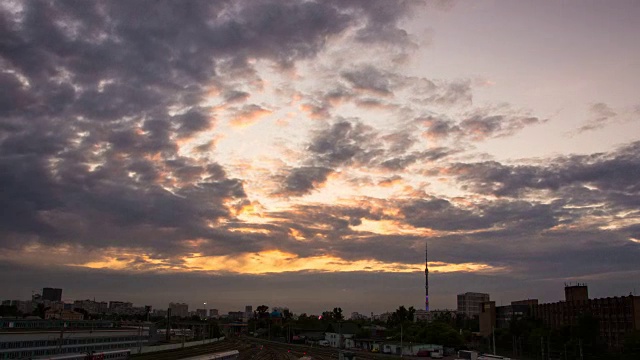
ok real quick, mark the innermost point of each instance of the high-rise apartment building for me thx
(202, 313)
(179, 309)
(52, 294)
(470, 303)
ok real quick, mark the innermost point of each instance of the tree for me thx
(214, 329)
(444, 317)
(40, 311)
(588, 330)
(287, 315)
(337, 314)
(262, 311)
(632, 345)
(401, 315)
(83, 312)
(442, 333)
(9, 310)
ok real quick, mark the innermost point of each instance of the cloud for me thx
(601, 115)
(111, 153)
(369, 79)
(302, 180)
(235, 96)
(480, 125)
(431, 155)
(248, 115)
(193, 121)
(610, 172)
(343, 143)
(451, 93)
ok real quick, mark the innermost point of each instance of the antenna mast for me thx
(426, 276)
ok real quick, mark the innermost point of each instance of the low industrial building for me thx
(21, 338)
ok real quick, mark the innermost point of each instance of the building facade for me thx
(92, 307)
(213, 313)
(24, 339)
(179, 309)
(487, 318)
(63, 314)
(470, 303)
(505, 315)
(617, 316)
(202, 313)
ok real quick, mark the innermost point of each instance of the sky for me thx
(302, 153)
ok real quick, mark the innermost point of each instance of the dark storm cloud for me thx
(303, 180)
(431, 155)
(194, 121)
(343, 143)
(347, 143)
(512, 232)
(613, 172)
(88, 100)
(441, 214)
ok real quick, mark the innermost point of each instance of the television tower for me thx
(426, 276)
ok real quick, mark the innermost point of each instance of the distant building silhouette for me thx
(213, 313)
(52, 294)
(179, 309)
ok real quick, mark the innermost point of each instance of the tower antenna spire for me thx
(426, 276)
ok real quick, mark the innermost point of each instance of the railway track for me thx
(194, 351)
(317, 353)
(258, 349)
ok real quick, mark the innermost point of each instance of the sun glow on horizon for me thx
(267, 262)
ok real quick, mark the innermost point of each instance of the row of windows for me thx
(70, 350)
(47, 324)
(72, 341)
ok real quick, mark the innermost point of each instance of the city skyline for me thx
(302, 153)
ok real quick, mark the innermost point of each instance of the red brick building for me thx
(617, 316)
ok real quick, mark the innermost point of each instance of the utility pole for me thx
(140, 339)
(493, 335)
(340, 340)
(542, 346)
(548, 346)
(61, 337)
(580, 343)
(401, 344)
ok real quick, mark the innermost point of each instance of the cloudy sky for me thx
(301, 153)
